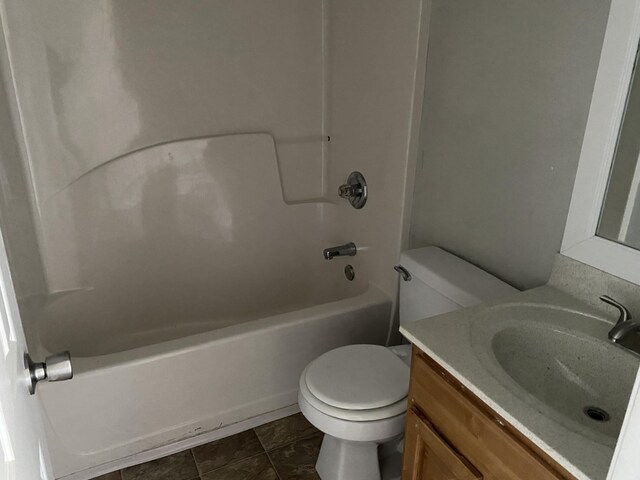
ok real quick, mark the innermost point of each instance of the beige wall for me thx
(507, 95)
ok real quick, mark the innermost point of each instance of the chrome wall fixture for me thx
(355, 190)
(55, 368)
(348, 249)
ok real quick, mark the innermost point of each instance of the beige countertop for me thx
(448, 340)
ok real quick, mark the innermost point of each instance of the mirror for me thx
(603, 224)
(620, 214)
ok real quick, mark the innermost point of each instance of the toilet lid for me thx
(358, 377)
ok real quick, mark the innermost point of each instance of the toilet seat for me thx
(369, 415)
(357, 383)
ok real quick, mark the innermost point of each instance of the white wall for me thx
(508, 89)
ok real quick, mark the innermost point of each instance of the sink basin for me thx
(559, 362)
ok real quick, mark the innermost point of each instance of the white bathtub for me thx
(191, 296)
(134, 393)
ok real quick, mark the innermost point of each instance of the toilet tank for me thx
(441, 282)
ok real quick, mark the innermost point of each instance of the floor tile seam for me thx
(275, 468)
(294, 441)
(193, 456)
(190, 450)
(233, 463)
(259, 439)
(268, 456)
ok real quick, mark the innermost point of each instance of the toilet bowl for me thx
(357, 395)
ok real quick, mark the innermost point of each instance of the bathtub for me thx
(141, 394)
(191, 295)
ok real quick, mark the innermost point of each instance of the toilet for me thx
(357, 394)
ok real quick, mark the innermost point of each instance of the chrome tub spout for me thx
(348, 249)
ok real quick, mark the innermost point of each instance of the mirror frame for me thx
(621, 40)
(619, 49)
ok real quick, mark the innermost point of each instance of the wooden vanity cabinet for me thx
(452, 435)
(429, 457)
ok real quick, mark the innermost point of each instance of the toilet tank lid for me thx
(453, 277)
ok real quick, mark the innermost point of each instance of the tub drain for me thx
(596, 414)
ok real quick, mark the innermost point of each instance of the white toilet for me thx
(357, 395)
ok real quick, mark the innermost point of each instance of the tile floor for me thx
(286, 449)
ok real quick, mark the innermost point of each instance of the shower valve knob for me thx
(355, 190)
(55, 368)
(349, 191)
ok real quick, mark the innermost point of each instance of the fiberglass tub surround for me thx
(183, 162)
(203, 240)
(214, 269)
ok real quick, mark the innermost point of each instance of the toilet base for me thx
(390, 458)
(345, 460)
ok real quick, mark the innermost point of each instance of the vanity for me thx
(451, 433)
(525, 388)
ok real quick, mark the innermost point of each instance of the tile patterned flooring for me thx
(286, 449)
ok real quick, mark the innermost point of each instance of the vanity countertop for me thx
(450, 339)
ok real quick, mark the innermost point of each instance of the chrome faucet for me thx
(625, 324)
(348, 249)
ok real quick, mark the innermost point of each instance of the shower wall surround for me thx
(182, 161)
(16, 214)
(377, 55)
(96, 81)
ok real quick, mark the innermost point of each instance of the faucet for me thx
(625, 325)
(339, 251)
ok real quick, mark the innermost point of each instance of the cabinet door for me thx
(427, 456)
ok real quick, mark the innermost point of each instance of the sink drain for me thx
(597, 414)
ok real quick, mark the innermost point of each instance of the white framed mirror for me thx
(603, 225)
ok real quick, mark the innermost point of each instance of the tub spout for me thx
(348, 249)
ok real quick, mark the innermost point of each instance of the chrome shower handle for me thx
(355, 190)
(349, 191)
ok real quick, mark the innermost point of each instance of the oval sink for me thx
(559, 362)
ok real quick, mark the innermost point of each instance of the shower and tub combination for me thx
(206, 324)
(174, 217)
